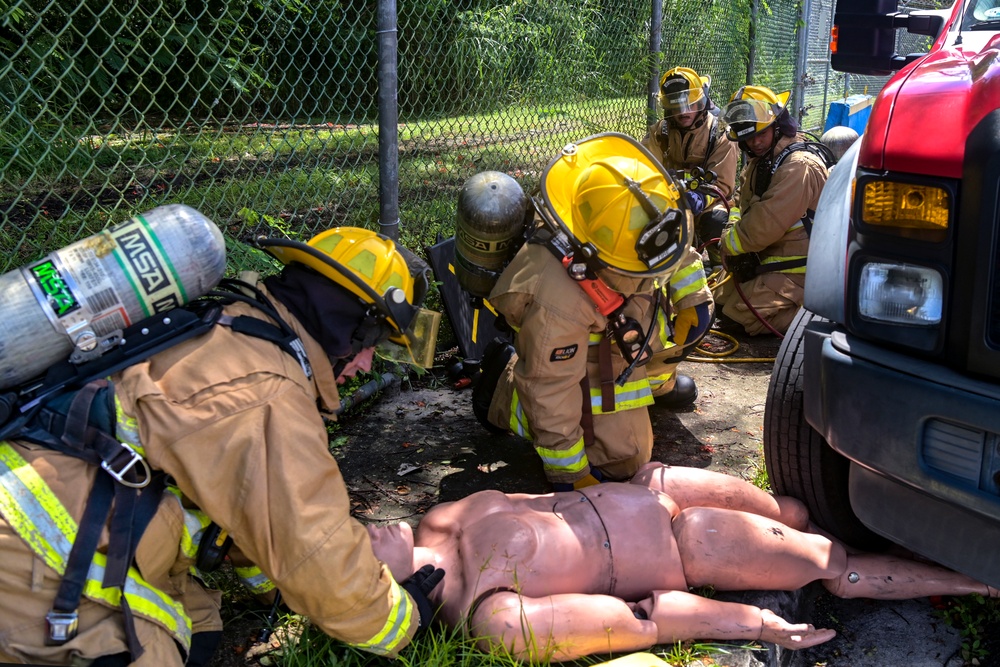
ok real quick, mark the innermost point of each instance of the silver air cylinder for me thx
(489, 221)
(76, 301)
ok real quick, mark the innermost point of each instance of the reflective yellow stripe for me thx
(789, 258)
(518, 420)
(731, 242)
(657, 381)
(595, 338)
(127, 428)
(569, 460)
(632, 395)
(34, 512)
(195, 523)
(253, 579)
(664, 329)
(402, 617)
(687, 281)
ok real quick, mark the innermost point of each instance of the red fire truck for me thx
(883, 410)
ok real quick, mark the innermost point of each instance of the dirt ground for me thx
(419, 444)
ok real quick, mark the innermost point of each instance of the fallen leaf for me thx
(406, 468)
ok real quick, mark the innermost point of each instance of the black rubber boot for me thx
(684, 393)
(494, 361)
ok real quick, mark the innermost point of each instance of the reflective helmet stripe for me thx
(39, 518)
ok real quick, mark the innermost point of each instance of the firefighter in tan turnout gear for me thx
(236, 423)
(768, 234)
(690, 138)
(606, 297)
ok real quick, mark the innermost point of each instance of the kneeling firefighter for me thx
(766, 241)
(109, 485)
(606, 297)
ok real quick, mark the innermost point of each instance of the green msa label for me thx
(60, 298)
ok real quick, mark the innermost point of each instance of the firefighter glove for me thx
(696, 201)
(690, 323)
(592, 478)
(419, 585)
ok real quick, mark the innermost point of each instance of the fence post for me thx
(752, 38)
(388, 121)
(801, 58)
(655, 37)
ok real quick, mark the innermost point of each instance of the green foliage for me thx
(976, 618)
(443, 647)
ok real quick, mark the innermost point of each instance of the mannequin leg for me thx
(734, 550)
(886, 577)
(694, 487)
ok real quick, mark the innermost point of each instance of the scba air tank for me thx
(489, 225)
(74, 302)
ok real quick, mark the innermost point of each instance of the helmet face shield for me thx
(746, 118)
(683, 91)
(421, 341)
(688, 100)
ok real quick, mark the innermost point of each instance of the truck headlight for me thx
(900, 293)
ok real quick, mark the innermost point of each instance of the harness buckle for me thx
(132, 457)
(63, 626)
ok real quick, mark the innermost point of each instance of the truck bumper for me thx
(924, 446)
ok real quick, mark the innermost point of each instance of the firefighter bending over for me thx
(231, 423)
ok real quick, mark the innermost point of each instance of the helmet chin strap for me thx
(370, 332)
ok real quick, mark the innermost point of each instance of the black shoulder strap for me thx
(713, 138)
(820, 150)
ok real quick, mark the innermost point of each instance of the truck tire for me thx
(799, 461)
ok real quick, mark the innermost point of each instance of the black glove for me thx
(419, 585)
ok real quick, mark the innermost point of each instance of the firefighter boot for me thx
(684, 393)
(495, 360)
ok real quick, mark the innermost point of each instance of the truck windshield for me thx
(982, 15)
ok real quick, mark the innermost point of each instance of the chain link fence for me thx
(265, 115)
(821, 84)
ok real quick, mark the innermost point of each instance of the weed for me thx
(972, 615)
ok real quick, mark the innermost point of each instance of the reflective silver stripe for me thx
(402, 617)
(254, 580)
(573, 459)
(40, 519)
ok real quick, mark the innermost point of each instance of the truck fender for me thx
(826, 268)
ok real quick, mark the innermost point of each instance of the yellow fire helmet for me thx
(387, 277)
(618, 205)
(682, 90)
(751, 110)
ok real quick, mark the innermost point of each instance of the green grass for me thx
(307, 177)
(306, 646)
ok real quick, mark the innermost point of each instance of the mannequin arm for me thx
(560, 627)
(681, 616)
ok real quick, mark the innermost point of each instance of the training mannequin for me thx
(607, 568)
